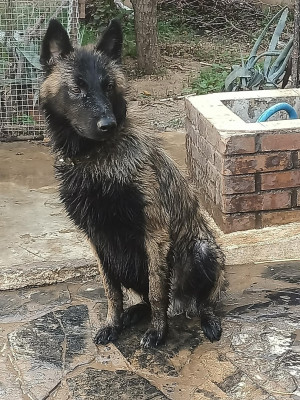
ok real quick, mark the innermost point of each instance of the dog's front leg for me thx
(157, 247)
(113, 326)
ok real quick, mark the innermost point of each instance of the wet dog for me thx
(119, 187)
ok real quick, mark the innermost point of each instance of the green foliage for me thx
(88, 34)
(210, 80)
(129, 46)
(249, 75)
(171, 29)
(99, 13)
(23, 119)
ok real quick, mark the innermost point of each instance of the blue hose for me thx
(278, 107)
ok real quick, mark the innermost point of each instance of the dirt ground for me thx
(159, 98)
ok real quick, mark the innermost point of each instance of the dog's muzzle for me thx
(106, 124)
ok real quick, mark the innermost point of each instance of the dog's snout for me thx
(106, 124)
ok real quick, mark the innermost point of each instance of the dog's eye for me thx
(109, 86)
(76, 90)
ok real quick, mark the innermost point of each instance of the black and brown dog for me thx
(128, 197)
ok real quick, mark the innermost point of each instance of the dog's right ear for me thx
(56, 43)
(111, 41)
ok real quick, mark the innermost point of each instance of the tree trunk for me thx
(296, 46)
(145, 19)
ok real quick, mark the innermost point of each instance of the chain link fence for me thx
(22, 26)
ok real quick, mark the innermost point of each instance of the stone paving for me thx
(46, 348)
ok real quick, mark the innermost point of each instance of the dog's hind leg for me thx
(134, 314)
(210, 322)
(157, 247)
(209, 273)
(113, 326)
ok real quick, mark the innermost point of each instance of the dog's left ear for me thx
(56, 43)
(111, 41)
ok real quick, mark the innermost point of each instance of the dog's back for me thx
(124, 193)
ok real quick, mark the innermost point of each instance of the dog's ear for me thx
(56, 43)
(111, 41)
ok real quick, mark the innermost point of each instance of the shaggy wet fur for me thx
(128, 197)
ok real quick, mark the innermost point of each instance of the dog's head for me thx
(84, 86)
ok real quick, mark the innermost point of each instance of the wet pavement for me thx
(46, 348)
(38, 245)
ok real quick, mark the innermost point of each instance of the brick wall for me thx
(246, 181)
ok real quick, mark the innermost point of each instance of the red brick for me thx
(237, 222)
(194, 152)
(256, 202)
(191, 131)
(212, 173)
(191, 111)
(280, 180)
(280, 217)
(218, 193)
(198, 174)
(298, 197)
(210, 189)
(198, 157)
(297, 161)
(237, 144)
(208, 130)
(257, 163)
(207, 149)
(219, 161)
(227, 222)
(238, 184)
(280, 141)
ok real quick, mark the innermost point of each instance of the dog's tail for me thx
(198, 277)
(208, 260)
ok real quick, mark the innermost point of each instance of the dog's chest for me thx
(104, 206)
(112, 216)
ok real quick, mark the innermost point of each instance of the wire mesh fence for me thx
(22, 26)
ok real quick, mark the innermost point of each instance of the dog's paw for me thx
(106, 335)
(134, 314)
(211, 326)
(153, 338)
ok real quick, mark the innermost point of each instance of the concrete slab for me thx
(39, 244)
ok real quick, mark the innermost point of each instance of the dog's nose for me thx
(106, 124)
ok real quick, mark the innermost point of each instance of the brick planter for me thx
(248, 172)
